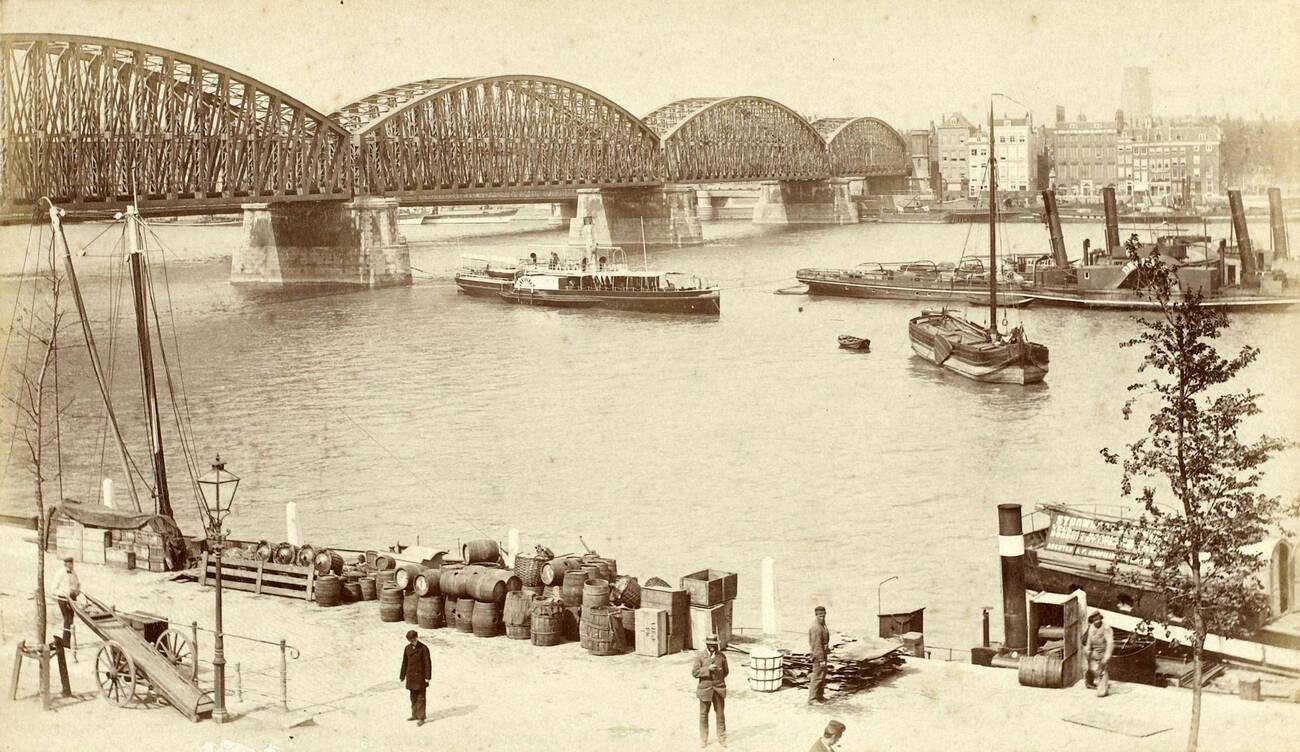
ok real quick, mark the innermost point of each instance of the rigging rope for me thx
(114, 308)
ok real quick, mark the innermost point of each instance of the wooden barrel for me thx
(529, 570)
(516, 615)
(603, 569)
(491, 584)
(1042, 670)
(329, 591)
(532, 592)
(465, 614)
(426, 583)
(351, 591)
(626, 591)
(572, 617)
(449, 611)
(285, 553)
(546, 622)
(390, 603)
(595, 593)
(598, 631)
(409, 602)
(306, 555)
(385, 561)
(383, 578)
(483, 549)
(765, 669)
(404, 576)
(571, 590)
(553, 571)
(367, 584)
(428, 611)
(327, 561)
(486, 619)
(449, 580)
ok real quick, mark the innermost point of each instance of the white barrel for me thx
(765, 667)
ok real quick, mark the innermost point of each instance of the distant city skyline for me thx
(904, 64)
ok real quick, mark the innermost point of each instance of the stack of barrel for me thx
(475, 589)
(332, 584)
(591, 613)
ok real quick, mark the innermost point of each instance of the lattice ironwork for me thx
(863, 146)
(509, 132)
(91, 122)
(737, 138)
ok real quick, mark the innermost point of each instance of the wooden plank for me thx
(311, 583)
(253, 574)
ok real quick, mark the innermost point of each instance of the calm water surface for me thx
(670, 443)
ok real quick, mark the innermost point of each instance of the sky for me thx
(906, 63)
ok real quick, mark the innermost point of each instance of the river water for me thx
(669, 443)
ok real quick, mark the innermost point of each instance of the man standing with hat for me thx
(416, 670)
(1099, 642)
(830, 738)
(819, 639)
(710, 668)
(66, 589)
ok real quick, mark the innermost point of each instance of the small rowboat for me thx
(849, 342)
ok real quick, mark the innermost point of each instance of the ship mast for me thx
(993, 231)
(135, 247)
(94, 354)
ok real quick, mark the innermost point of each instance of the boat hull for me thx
(706, 302)
(482, 287)
(847, 287)
(1006, 363)
(1127, 300)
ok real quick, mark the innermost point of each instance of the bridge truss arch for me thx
(445, 136)
(863, 147)
(737, 139)
(93, 122)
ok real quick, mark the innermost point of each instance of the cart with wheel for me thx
(136, 658)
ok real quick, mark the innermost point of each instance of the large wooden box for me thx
(651, 632)
(710, 587)
(707, 620)
(676, 602)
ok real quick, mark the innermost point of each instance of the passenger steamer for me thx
(600, 279)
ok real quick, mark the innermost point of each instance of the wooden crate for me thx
(707, 620)
(119, 558)
(651, 632)
(287, 580)
(710, 587)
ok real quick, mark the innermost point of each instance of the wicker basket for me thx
(529, 570)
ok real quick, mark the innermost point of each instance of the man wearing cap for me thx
(830, 738)
(710, 668)
(416, 669)
(1099, 642)
(66, 589)
(819, 639)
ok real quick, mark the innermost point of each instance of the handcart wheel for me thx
(115, 673)
(174, 645)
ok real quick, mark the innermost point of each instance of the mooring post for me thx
(284, 678)
(768, 596)
(65, 685)
(18, 669)
(239, 683)
(194, 652)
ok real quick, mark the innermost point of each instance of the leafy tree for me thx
(1196, 551)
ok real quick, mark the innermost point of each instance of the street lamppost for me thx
(218, 487)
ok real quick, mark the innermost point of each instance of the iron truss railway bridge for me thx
(94, 123)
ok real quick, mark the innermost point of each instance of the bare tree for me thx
(1197, 553)
(36, 415)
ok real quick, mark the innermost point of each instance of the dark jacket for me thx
(416, 666)
(711, 682)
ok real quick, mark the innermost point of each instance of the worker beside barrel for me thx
(819, 638)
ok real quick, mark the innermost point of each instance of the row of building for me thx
(1158, 162)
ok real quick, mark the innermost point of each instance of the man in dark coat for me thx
(416, 669)
(819, 638)
(710, 668)
(830, 738)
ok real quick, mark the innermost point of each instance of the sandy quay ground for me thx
(491, 694)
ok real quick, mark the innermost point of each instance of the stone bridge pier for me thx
(618, 216)
(806, 202)
(322, 243)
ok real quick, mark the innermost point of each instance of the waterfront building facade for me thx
(1171, 164)
(952, 137)
(1085, 158)
(1017, 151)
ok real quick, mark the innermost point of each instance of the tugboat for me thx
(952, 341)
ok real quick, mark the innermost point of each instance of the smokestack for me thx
(1011, 546)
(1277, 223)
(1249, 274)
(1112, 222)
(1053, 218)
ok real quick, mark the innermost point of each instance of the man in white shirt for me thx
(66, 589)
